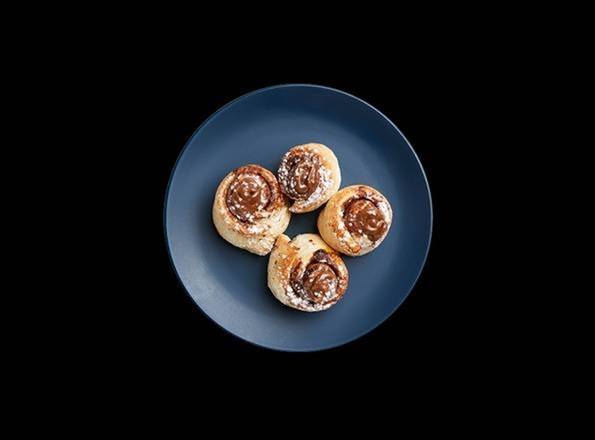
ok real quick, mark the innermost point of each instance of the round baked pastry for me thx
(355, 220)
(306, 274)
(250, 211)
(309, 175)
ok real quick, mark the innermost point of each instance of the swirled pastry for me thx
(309, 175)
(250, 211)
(355, 220)
(306, 274)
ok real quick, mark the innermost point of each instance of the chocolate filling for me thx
(299, 174)
(252, 191)
(319, 283)
(362, 216)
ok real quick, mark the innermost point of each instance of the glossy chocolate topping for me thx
(319, 283)
(251, 192)
(363, 217)
(299, 173)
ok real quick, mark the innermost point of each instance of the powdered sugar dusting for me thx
(363, 241)
(308, 306)
(342, 233)
(255, 229)
(385, 210)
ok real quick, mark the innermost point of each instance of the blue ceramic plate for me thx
(230, 284)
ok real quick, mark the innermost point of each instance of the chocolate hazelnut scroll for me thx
(309, 175)
(355, 220)
(306, 274)
(250, 211)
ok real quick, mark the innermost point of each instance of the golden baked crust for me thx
(306, 274)
(355, 220)
(249, 210)
(309, 175)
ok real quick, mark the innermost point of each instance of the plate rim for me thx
(256, 92)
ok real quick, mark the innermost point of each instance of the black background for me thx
(115, 321)
(135, 96)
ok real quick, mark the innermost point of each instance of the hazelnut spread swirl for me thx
(300, 173)
(252, 193)
(363, 216)
(320, 282)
